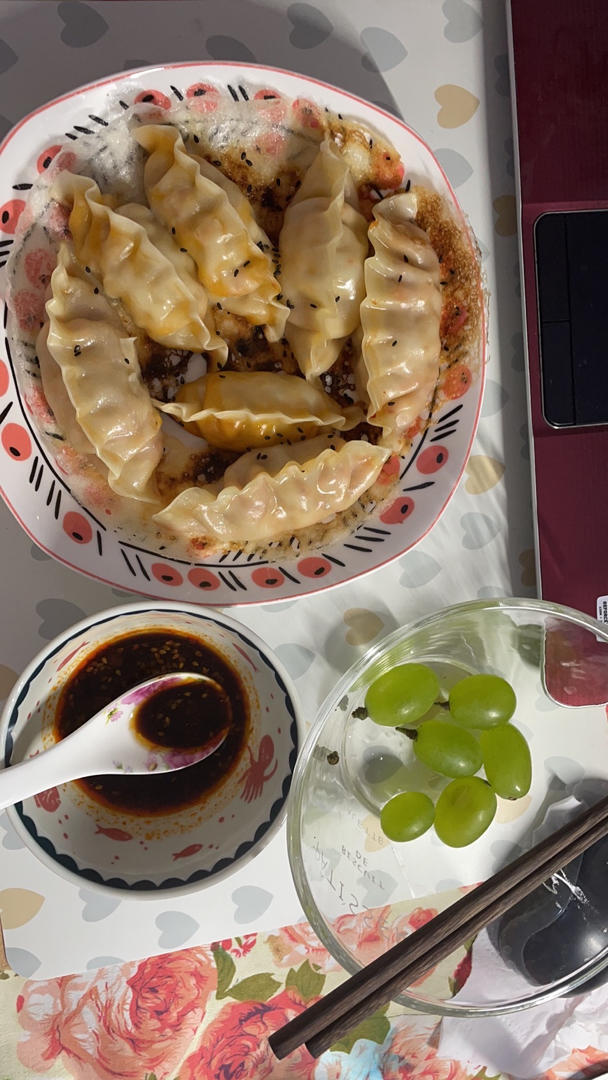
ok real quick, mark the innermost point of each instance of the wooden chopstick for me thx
(326, 1021)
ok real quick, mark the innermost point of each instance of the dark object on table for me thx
(561, 925)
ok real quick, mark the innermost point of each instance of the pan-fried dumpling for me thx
(185, 268)
(101, 374)
(229, 248)
(236, 410)
(57, 397)
(323, 245)
(400, 319)
(271, 459)
(296, 497)
(132, 269)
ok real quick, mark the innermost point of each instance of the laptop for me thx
(559, 78)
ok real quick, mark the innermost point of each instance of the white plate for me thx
(39, 495)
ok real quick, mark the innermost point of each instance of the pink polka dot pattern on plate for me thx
(4, 381)
(10, 214)
(314, 567)
(398, 511)
(203, 579)
(267, 577)
(47, 156)
(153, 97)
(431, 459)
(204, 96)
(77, 527)
(16, 442)
(168, 575)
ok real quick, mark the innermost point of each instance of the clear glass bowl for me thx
(362, 893)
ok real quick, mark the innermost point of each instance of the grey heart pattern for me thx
(57, 615)
(23, 962)
(463, 22)
(478, 529)
(8, 56)
(38, 554)
(494, 398)
(222, 47)
(250, 902)
(384, 50)
(454, 164)
(96, 905)
(83, 25)
(310, 26)
(377, 892)
(103, 962)
(296, 658)
(176, 928)
(11, 840)
(502, 84)
(418, 569)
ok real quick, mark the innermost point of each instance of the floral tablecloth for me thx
(203, 1012)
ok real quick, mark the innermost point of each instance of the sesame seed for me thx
(88, 269)
(313, 305)
(248, 162)
(217, 163)
(236, 272)
(393, 345)
(173, 230)
(196, 138)
(126, 359)
(95, 290)
(243, 156)
(219, 306)
(247, 262)
(408, 185)
(405, 259)
(77, 350)
(337, 300)
(185, 250)
(400, 279)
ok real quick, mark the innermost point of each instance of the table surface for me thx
(481, 547)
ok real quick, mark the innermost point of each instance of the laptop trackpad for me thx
(571, 251)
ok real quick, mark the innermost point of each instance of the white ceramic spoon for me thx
(108, 743)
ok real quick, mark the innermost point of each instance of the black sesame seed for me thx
(216, 163)
(387, 157)
(199, 92)
(243, 156)
(289, 304)
(196, 138)
(405, 259)
(148, 97)
(337, 299)
(247, 262)
(219, 306)
(88, 269)
(77, 350)
(173, 230)
(278, 181)
(393, 345)
(95, 290)
(400, 279)
(248, 162)
(126, 360)
(236, 272)
(408, 185)
(249, 188)
(185, 250)
(313, 305)
(279, 296)
(340, 116)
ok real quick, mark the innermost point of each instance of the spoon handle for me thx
(63, 762)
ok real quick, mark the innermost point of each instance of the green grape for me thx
(407, 816)
(507, 761)
(464, 810)
(447, 749)
(402, 695)
(481, 701)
